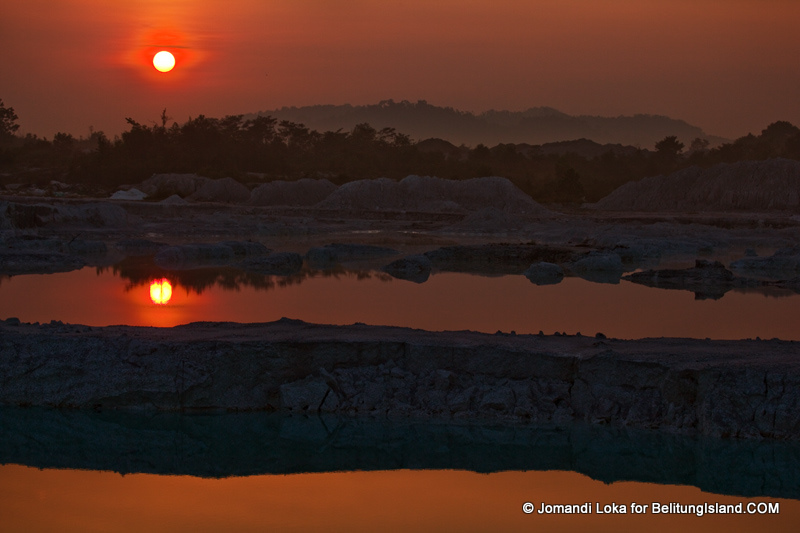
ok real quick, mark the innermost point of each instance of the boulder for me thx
(544, 273)
(416, 268)
(330, 254)
(707, 279)
(599, 267)
(87, 247)
(783, 264)
(139, 247)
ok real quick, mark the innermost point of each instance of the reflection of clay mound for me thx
(300, 192)
(748, 185)
(429, 194)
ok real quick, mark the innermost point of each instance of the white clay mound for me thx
(768, 185)
(430, 194)
(292, 193)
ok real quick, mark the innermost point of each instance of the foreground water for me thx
(447, 301)
(399, 500)
(255, 471)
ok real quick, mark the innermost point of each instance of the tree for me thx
(699, 145)
(669, 146)
(8, 122)
(569, 188)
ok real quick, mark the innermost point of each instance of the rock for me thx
(488, 220)
(707, 279)
(741, 389)
(543, 273)
(499, 399)
(164, 185)
(277, 264)
(14, 262)
(95, 214)
(325, 256)
(306, 395)
(84, 247)
(5, 219)
(599, 267)
(783, 264)
(226, 190)
(416, 268)
(496, 258)
(133, 194)
(139, 247)
(303, 192)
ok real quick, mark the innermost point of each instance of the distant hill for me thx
(535, 126)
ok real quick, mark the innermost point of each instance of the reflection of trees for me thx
(141, 271)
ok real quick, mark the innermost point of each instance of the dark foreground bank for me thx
(744, 389)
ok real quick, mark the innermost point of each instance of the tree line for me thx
(263, 149)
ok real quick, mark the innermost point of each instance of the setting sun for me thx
(164, 61)
(160, 291)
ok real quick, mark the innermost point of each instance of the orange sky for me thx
(729, 66)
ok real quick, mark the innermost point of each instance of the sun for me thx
(164, 61)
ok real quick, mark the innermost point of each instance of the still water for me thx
(398, 500)
(258, 471)
(447, 301)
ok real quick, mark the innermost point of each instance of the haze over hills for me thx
(537, 125)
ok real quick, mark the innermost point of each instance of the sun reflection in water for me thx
(160, 291)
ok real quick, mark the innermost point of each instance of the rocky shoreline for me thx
(744, 389)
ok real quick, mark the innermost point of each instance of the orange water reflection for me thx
(446, 301)
(160, 291)
(400, 500)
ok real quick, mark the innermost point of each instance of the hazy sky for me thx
(728, 66)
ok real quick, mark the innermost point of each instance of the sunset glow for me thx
(160, 291)
(727, 67)
(164, 61)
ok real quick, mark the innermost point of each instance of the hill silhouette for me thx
(538, 125)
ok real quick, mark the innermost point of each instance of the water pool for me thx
(447, 301)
